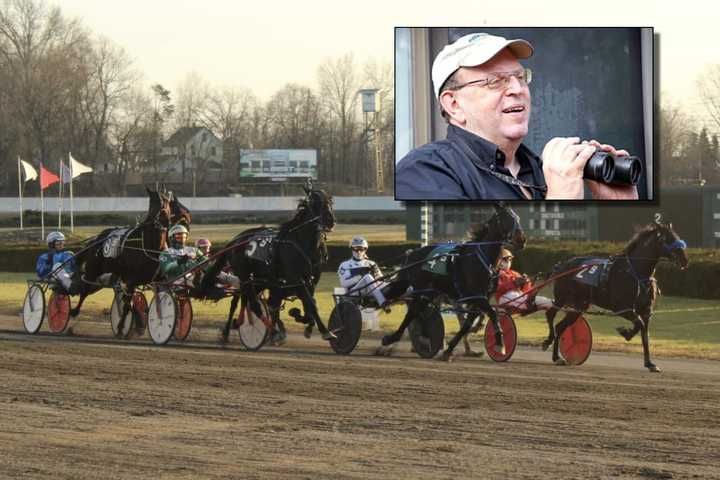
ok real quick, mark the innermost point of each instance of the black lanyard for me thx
(501, 176)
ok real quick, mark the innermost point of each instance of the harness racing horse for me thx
(130, 254)
(179, 213)
(286, 261)
(626, 287)
(469, 280)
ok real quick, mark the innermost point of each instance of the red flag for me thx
(47, 178)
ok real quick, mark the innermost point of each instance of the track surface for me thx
(93, 407)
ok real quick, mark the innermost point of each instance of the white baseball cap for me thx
(472, 50)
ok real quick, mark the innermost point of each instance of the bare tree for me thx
(709, 87)
(191, 100)
(339, 84)
(228, 113)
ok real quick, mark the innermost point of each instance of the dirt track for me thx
(92, 407)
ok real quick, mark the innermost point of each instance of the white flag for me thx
(78, 168)
(30, 172)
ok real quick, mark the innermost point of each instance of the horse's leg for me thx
(646, 344)
(388, 341)
(629, 333)
(642, 325)
(311, 312)
(225, 333)
(550, 318)
(465, 328)
(126, 308)
(279, 335)
(472, 318)
(569, 319)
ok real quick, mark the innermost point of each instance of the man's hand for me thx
(521, 281)
(182, 259)
(563, 163)
(602, 191)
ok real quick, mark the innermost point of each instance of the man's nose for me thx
(514, 86)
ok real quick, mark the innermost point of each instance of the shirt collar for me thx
(489, 152)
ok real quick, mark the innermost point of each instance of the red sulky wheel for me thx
(184, 319)
(576, 342)
(58, 312)
(507, 324)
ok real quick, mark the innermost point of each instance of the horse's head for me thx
(668, 244)
(507, 225)
(159, 213)
(320, 205)
(179, 212)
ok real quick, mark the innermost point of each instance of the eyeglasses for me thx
(499, 80)
(359, 249)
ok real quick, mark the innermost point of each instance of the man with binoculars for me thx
(483, 94)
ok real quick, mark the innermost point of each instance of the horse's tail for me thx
(210, 275)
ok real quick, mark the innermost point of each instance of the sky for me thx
(263, 45)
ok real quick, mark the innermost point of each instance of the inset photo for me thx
(524, 114)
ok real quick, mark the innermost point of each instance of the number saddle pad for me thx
(112, 246)
(261, 246)
(439, 258)
(595, 273)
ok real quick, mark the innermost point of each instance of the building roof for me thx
(183, 135)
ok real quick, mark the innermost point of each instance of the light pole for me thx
(371, 106)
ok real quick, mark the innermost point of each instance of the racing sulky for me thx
(467, 283)
(286, 261)
(624, 284)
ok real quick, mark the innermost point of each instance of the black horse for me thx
(286, 261)
(468, 282)
(625, 285)
(129, 255)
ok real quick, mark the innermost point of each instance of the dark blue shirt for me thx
(443, 170)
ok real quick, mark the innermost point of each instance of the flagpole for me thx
(42, 204)
(60, 191)
(20, 194)
(72, 209)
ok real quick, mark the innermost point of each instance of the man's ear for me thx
(449, 102)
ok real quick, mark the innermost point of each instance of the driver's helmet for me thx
(203, 244)
(54, 237)
(359, 246)
(178, 234)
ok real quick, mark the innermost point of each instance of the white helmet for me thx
(55, 237)
(358, 242)
(178, 229)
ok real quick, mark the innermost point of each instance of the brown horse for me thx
(628, 289)
(129, 255)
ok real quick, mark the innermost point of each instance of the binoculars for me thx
(607, 168)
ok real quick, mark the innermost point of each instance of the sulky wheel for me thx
(184, 319)
(346, 324)
(427, 332)
(507, 324)
(254, 331)
(58, 312)
(576, 342)
(115, 312)
(162, 316)
(33, 309)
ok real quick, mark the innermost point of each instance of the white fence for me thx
(201, 204)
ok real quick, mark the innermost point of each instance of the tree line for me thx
(689, 149)
(64, 88)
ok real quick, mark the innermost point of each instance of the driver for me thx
(359, 271)
(515, 289)
(178, 258)
(57, 264)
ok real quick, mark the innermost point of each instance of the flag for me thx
(47, 178)
(30, 172)
(65, 173)
(78, 168)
